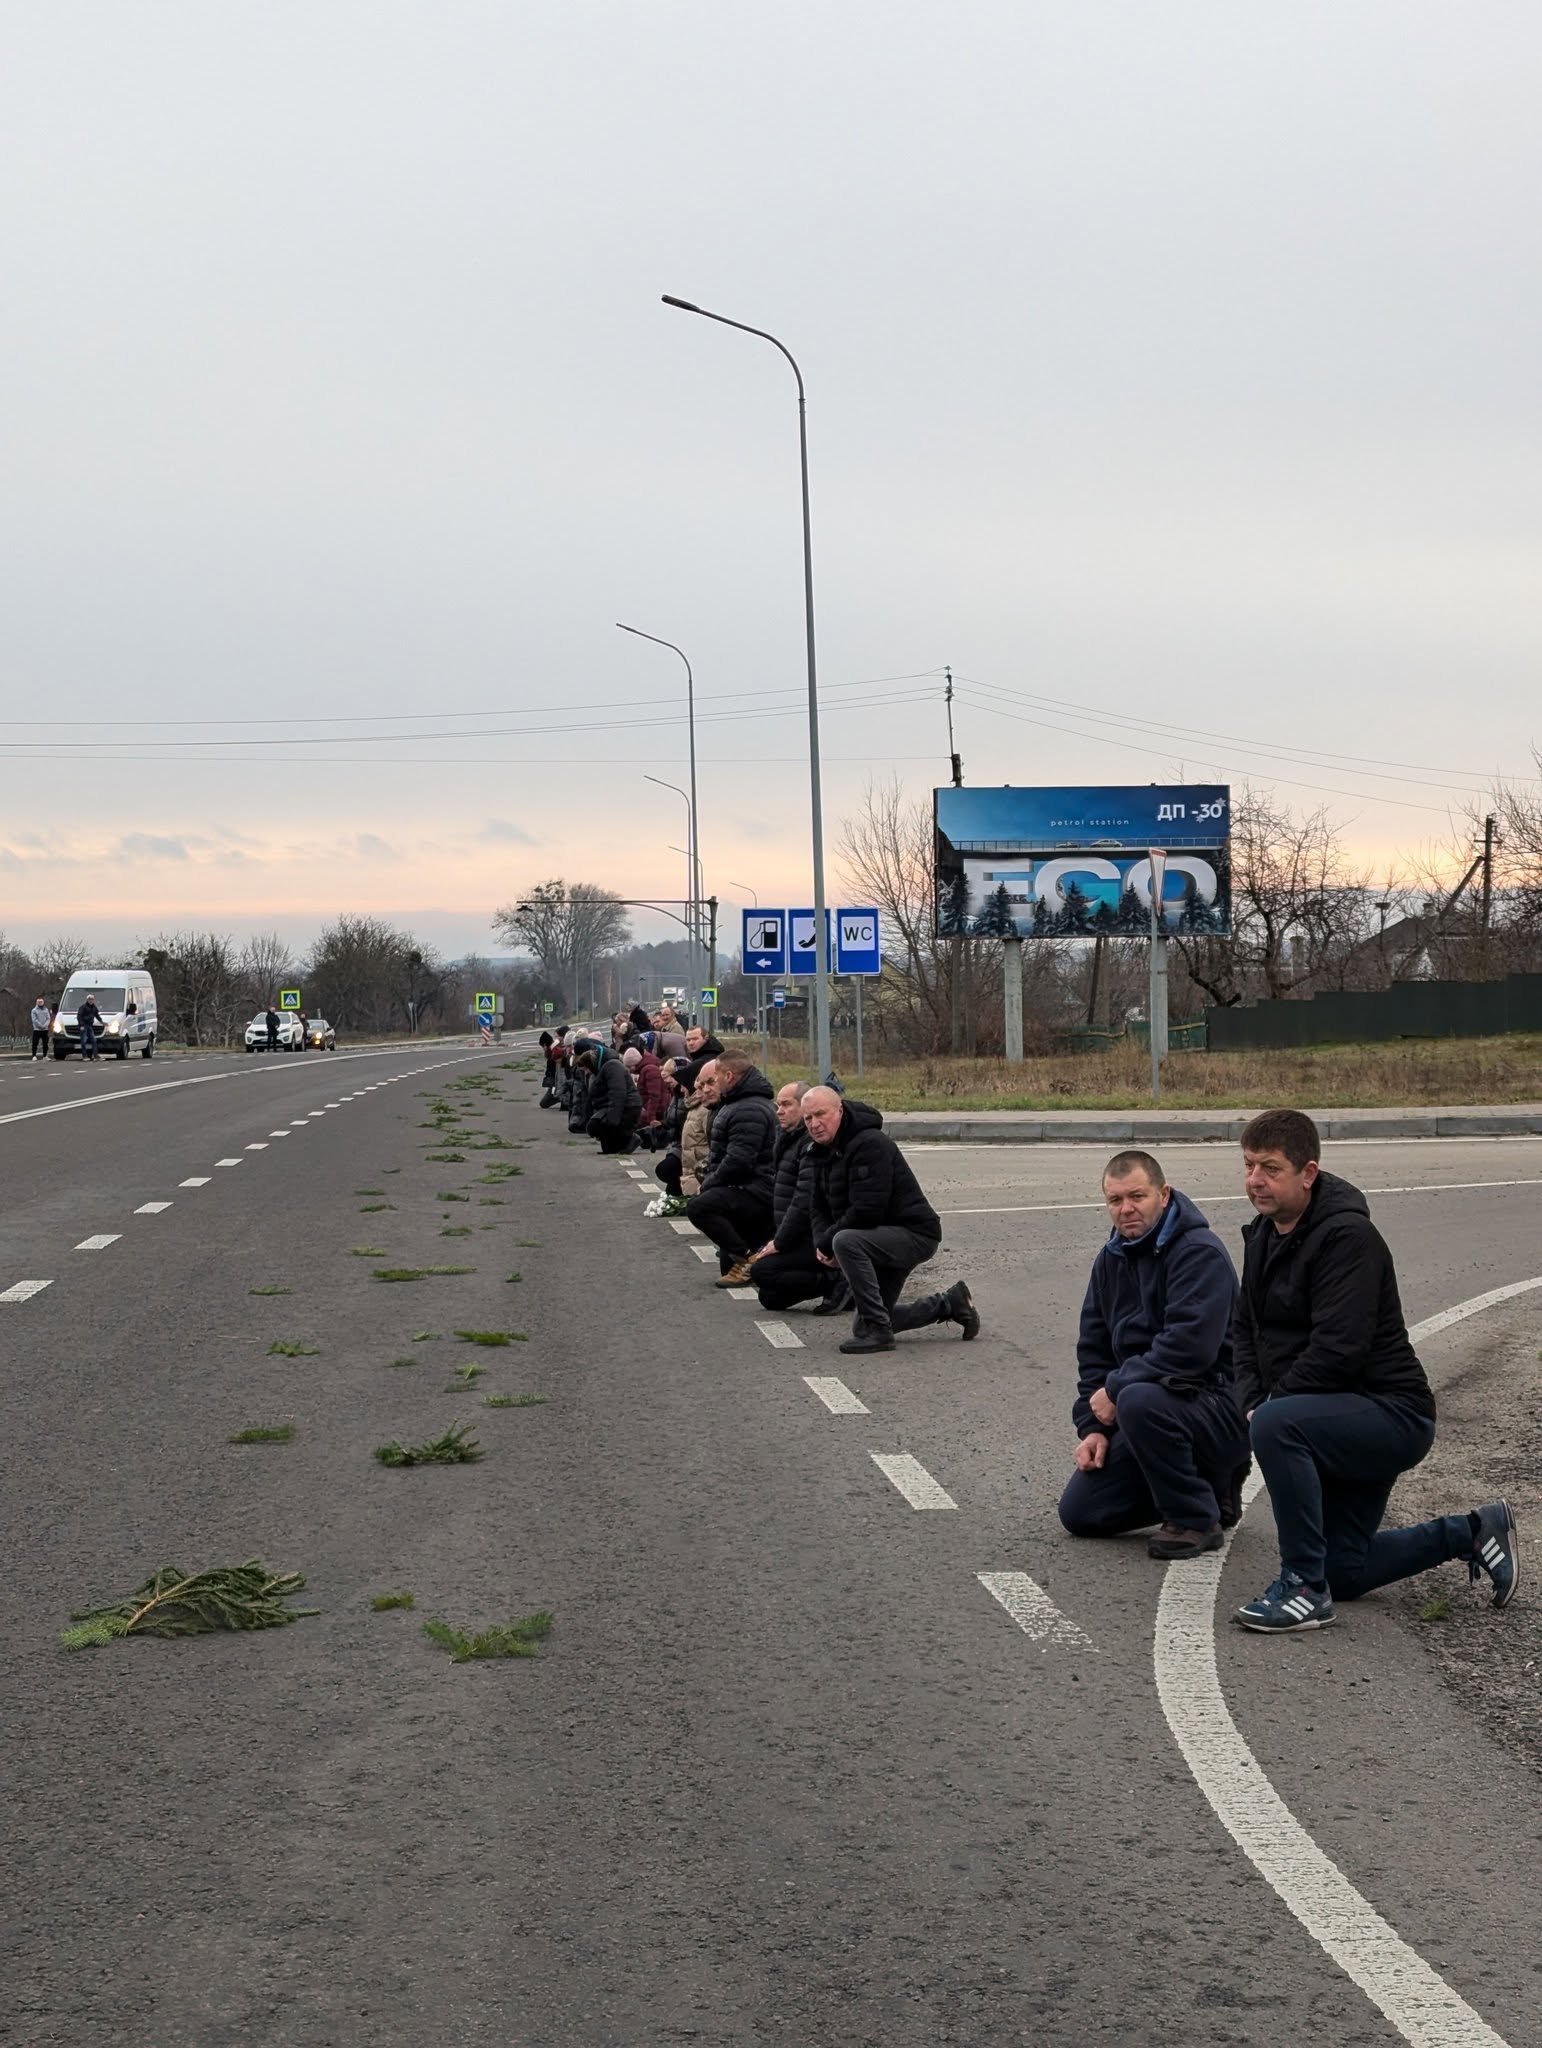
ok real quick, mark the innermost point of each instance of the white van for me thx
(126, 998)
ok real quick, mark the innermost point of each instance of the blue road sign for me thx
(801, 955)
(765, 942)
(487, 1003)
(709, 998)
(856, 942)
(778, 999)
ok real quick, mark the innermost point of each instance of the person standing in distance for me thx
(1338, 1404)
(42, 1017)
(88, 1019)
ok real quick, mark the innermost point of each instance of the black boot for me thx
(961, 1309)
(1229, 1496)
(869, 1337)
(837, 1301)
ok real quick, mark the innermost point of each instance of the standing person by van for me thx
(42, 1017)
(271, 1020)
(88, 1019)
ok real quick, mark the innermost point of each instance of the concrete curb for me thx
(1152, 1127)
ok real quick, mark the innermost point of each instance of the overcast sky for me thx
(1169, 363)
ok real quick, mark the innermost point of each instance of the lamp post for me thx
(821, 961)
(692, 879)
(694, 887)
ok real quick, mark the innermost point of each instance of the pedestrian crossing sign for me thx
(709, 998)
(487, 1004)
(289, 999)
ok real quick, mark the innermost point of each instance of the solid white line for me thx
(1033, 1610)
(911, 1478)
(780, 1337)
(1413, 1997)
(682, 1227)
(99, 1243)
(197, 1181)
(151, 1208)
(227, 1162)
(258, 1145)
(1437, 1187)
(836, 1395)
(707, 1253)
(23, 1290)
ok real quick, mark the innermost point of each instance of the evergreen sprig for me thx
(176, 1603)
(454, 1447)
(503, 1639)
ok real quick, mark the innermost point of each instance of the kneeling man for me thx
(1162, 1437)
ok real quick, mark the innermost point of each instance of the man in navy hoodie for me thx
(1162, 1438)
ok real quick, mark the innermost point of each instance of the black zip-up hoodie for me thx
(1319, 1311)
(861, 1179)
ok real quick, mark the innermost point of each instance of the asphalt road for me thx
(787, 1770)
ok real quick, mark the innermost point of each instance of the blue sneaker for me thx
(1289, 1604)
(1496, 1551)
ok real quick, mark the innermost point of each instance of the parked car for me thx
(126, 998)
(291, 1033)
(320, 1036)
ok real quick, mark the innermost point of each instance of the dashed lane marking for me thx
(683, 1227)
(910, 1477)
(196, 1181)
(1411, 1996)
(299, 1123)
(741, 1293)
(100, 1242)
(780, 1337)
(1033, 1610)
(633, 1174)
(151, 1208)
(836, 1395)
(23, 1290)
(278, 1134)
(706, 1252)
(227, 1162)
(258, 1145)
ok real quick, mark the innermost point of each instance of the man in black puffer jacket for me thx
(785, 1269)
(871, 1220)
(734, 1205)
(614, 1107)
(1337, 1401)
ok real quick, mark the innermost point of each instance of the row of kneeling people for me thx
(1185, 1374)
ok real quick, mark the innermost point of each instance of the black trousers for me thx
(619, 1137)
(877, 1263)
(668, 1171)
(738, 1220)
(1169, 1457)
(781, 1278)
(39, 1043)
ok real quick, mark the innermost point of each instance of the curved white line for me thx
(1397, 1980)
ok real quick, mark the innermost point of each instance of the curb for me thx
(1030, 1127)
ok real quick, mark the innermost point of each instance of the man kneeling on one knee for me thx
(1162, 1437)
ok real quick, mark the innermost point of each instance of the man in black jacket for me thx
(785, 1270)
(733, 1207)
(1338, 1403)
(872, 1221)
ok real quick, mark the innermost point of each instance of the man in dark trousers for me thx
(1338, 1403)
(613, 1108)
(733, 1206)
(871, 1220)
(88, 1021)
(1161, 1436)
(270, 1023)
(785, 1270)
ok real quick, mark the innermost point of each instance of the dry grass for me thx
(1406, 1073)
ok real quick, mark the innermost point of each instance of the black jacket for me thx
(1158, 1309)
(792, 1170)
(861, 1179)
(709, 1049)
(613, 1096)
(1319, 1311)
(741, 1137)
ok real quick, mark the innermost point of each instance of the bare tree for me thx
(194, 974)
(264, 967)
(567, 929)
(57, 958)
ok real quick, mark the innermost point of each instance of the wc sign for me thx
(857, 950)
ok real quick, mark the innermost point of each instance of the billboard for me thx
(1075, 863)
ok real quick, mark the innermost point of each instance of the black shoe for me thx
(1229, 1497)
(961, 1309)
(869, 1339)
(836, 1302)
(1170, 1543)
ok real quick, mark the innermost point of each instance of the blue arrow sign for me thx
(765, 942)
(801, 956)
(857, 950)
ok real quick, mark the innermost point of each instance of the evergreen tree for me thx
(1131, 917)
(953, 905)
(1103, 923)
(997, 920)
(1041, 919)
(1078, 910)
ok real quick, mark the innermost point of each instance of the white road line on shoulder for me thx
(258, 1145)
(100, 1242)
(338, 1105)
(23, 1290)
(836, 1395)
(633, 1174)
(1408, 1993)
(706, 1252)
(1033, 1610)
(227, 1162)
(1436, 1187)
(297, 1123)
(682, 1227)
(910, 1477)
(742, 1293)
(278, 1134)
(780, 1337)
(151, 1208)
(197, 1181)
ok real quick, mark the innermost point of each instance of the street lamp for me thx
(694, 886)
(692, 878)
(821, 962)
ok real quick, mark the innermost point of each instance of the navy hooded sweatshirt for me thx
(1159, 1308)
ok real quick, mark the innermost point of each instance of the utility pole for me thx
(957, 950)
(1488, 882)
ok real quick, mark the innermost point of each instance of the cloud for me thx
(500, 828)
(372, 847)
(153, 846)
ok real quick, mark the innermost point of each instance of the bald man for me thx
(871, 1220)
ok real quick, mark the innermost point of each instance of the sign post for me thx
(858, 953)
(1157, 1003)
(1012, 999)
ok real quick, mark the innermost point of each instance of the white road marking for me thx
(705, 1252)
(632, 1172)
(1436, 1187)
(1396, 1979)
(780, 1337)
(197, 1181)
(227, 1162)
(911, 1478)
(1212, 1146)
(683, 1227)
(298, 1123)
(151, 1208)
(338, 1105)
(258, 1145)
(741, 1293)
(23, 1290)
(836, 1395)
(100, 1242)
(1033, 1610)
(278, 1134)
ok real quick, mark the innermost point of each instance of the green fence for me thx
(1409, 1009)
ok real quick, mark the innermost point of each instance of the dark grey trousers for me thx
(877, 1263)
